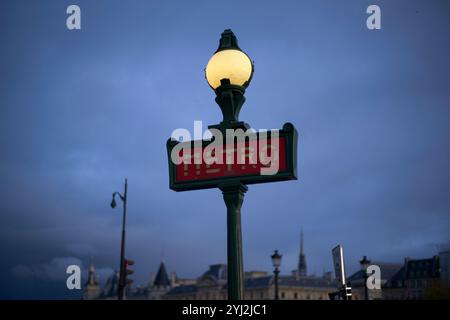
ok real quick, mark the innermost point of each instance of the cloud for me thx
(103, 274)
(80, 249)
(373, 125)
(54, 270)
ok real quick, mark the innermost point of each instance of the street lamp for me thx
(229, 72)
(122, 284)
(365, 263)
(276, 262)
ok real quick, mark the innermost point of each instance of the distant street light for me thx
(276, 262)
(122, 272)
(364, 265)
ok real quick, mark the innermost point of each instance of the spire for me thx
(301, 243)
(92, 279)
(302, 269)
(161, 279)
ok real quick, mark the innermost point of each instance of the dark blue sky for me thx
(82, 110)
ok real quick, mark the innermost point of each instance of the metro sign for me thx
(188, 174)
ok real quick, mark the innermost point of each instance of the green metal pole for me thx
(234, 196)
(121, 287)
(366, 289)
(276, 272)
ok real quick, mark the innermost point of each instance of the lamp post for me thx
(122, 284)
(276, 262)
(229, 72)
(365, 263)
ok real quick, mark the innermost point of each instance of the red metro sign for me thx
(257, 159)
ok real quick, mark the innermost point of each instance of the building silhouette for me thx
(160, 285)
(212, 285)
(414, 279)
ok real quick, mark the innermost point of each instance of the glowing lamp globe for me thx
(229, 64)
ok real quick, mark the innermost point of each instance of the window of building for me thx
(261, 294)
(283, 295)
(295, 295)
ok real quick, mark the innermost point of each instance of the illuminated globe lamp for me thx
(229, 72)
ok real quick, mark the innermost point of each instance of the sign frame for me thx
(338, 263)
(288, 132)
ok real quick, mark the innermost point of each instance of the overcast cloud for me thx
(82, 110)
